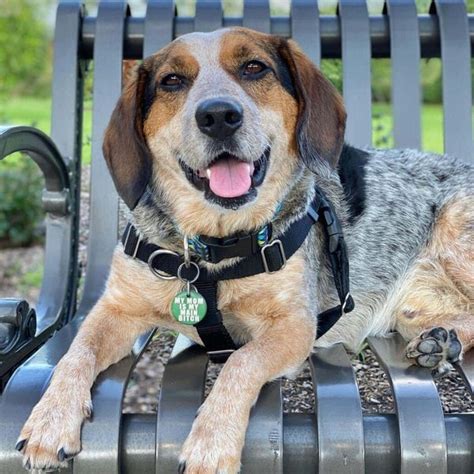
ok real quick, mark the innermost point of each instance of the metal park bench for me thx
(337, 437)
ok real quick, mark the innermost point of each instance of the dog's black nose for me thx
(219, 117)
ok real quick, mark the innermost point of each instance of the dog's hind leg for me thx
(435, 311)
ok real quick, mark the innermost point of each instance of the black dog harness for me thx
(259, 253)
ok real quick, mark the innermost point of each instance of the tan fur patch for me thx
(439, 288)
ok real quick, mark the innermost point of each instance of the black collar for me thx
(260, 255)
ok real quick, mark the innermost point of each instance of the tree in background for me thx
(25, 54)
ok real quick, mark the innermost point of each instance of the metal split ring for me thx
(198, 272)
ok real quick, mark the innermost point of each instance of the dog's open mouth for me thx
(228, 180)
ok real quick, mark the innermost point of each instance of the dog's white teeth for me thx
(208, 173)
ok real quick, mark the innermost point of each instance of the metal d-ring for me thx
(198, 272)
(156, 272)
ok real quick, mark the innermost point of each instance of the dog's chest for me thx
(248, 305)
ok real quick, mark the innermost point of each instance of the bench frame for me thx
(338, 437)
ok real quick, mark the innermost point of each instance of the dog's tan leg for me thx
(218, 433)
(436, 307)
(52, 432)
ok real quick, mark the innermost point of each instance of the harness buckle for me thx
(280, 247)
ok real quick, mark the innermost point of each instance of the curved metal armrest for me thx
(56, 298)
(17, 325)
(44, 153)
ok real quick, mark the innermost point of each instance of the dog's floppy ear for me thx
(321, 114)
(125, 148)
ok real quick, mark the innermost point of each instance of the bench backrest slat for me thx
(257, 15)
(356, 76)
(104, 201)
(457, 93)
(159, 25)
(406, 88)
(208, 15)
(305, 28)
(67, 93)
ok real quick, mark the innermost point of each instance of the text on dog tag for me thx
(188, 307)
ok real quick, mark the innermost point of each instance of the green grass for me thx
(37, 112)
(31, 111)
(431, 123)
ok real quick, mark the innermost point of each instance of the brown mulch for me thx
(298, 394)
(14, 265)
(144, 386)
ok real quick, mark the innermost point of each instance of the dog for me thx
(221, 133)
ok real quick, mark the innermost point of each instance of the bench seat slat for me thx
(338, 412)
(182, 391)
(466, 370)
(263, 449)
(420, 415)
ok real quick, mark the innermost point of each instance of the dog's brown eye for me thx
(254, 68)
(172, 81)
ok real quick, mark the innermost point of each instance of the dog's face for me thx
(221, 122)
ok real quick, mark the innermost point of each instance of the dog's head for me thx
(221, 122)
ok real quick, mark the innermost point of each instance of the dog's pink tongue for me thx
(229, 178)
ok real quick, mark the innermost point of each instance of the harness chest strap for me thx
(268, 258)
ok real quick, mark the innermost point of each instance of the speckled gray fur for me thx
(405, 190)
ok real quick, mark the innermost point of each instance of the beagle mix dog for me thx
(221, 133)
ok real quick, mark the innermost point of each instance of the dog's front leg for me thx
(218, 433)
(51, 434)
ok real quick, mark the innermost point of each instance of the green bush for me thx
(20, 202)
(25, 52)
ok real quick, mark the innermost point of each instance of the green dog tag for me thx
(188, 307)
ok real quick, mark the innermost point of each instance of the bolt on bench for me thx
(337, 437)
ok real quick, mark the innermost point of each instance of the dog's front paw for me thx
(52, 434)
(214, 446)
(435, 349)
